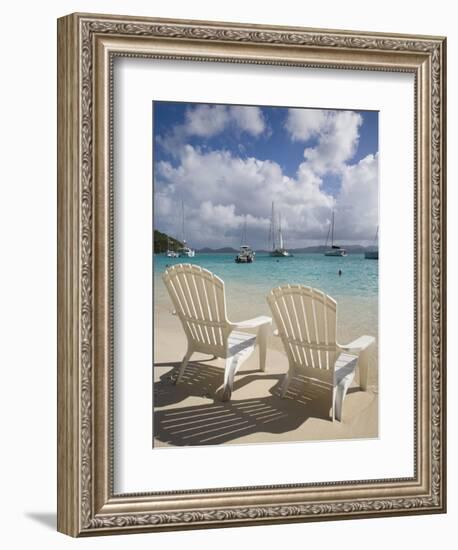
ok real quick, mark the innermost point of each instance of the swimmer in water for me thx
(340, 272)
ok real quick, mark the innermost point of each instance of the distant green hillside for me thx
(161, 242)
(224, 250)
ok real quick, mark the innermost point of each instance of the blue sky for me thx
(228, 163)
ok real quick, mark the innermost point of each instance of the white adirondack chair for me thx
(199, 300)
(306, 321)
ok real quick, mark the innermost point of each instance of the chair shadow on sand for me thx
(220, 422)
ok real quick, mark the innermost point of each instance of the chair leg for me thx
(184, 364)
(286, 382)
(333, 404)
(341, 392)
(338, 402)
(232, 365)
(262, 343)
(363, 361)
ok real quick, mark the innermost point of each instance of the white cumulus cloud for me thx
(303, 124)
(207, 121)
(336, 134)
(221, 190)
(248, 119)
(357, 201)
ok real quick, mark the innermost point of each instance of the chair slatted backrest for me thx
(199, 300)
(306, 321)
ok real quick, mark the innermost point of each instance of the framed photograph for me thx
(258, 213)
(251, 285)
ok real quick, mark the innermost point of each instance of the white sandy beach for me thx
(191, 414)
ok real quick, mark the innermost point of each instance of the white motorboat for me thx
(246, 254)
(186, 252)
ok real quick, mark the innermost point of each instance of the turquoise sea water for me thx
(247, 285)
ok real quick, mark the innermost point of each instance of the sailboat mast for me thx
(244, 233)
(280, 236)
(332, 229)
(327, 236)
(272, 226)
(182, 222)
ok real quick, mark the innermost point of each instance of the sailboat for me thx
(246, 254)
(373, 254)
(185, 250)
(170, 253)
(276, 238)
(336, 251)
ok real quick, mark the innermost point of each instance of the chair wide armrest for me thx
(253, 323)
(358, 345)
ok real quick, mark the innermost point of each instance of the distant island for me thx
(224, 250)
(162, 242)
(350, 248)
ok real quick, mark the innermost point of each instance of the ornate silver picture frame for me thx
(87, 47)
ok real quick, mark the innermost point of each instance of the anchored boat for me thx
(185, 250)
(373, 253)
(276, 238)
(171, 253)
(336, 251)
(246, 254)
